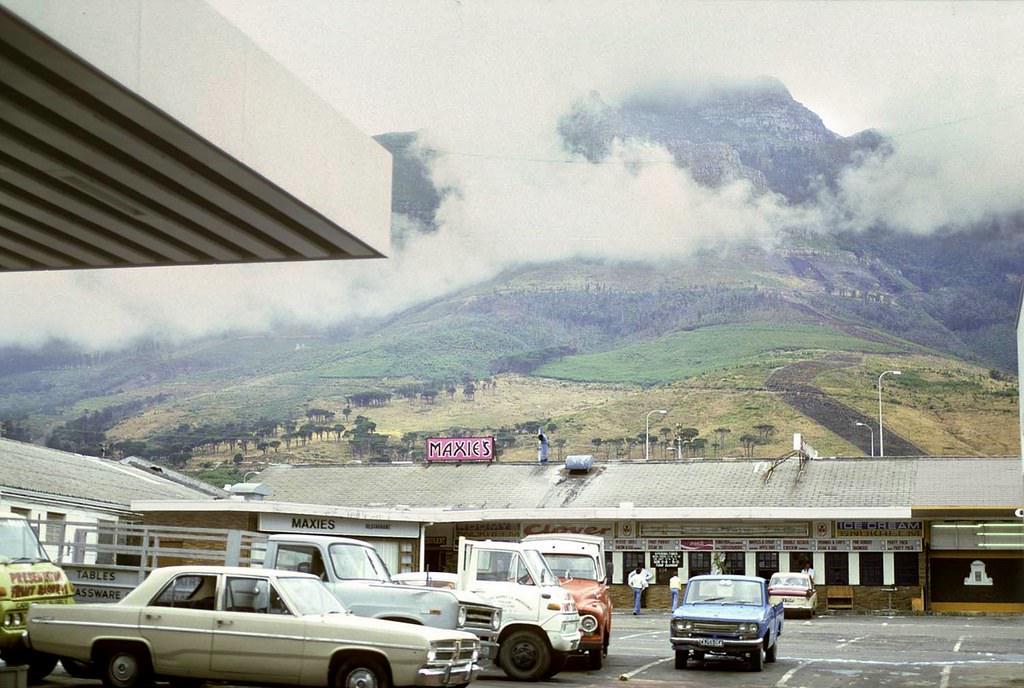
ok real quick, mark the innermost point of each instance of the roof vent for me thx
(579, 463)
(248, 492)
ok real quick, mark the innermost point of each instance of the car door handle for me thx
(153, 616)
(225, 622)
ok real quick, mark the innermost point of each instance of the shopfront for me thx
(977, 565)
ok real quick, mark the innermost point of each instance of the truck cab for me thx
(26, 576)
(579, 562)
(358, 577)
(540, 625)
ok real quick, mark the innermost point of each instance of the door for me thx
(255, 637)
(178, 623)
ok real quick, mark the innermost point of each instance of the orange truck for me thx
(579, 563)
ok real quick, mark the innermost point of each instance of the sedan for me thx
(795, 591)
(190, 624)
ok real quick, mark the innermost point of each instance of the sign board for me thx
(868, 529)
(602, 529)
(443, 449)
(332, 525)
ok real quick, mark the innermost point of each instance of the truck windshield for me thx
(18, 541)
(537, 564)
(310, 597)
(358, 562)
(572, 565)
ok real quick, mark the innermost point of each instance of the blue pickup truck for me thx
(726, 615)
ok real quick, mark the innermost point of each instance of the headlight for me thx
(432, 653)
(682, 625)
(748, 628)
(588, 623)
(462, 615)
(496, 620)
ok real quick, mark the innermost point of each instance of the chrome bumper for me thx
(455, 674)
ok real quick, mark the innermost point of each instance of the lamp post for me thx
(245, 476)
(872, 431)
(647, 433)
(881, 441)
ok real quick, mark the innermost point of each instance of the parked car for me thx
(795, 591)
(726, 615)
(190, 624)
(579, 562)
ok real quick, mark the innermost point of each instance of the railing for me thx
(105, 560)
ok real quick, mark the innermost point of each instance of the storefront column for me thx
(888, 568)
(819, 568)
(750, 563)
(853, 566)
(784, 562)
(617, 576)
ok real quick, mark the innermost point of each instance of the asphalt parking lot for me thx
(826, 652)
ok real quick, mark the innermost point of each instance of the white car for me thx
(796, 591)
(191, 624)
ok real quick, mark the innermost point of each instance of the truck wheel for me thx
(682, 656)
(757, 659)
(126, 667)
(40, 666)
(361, 673)
(524, 656)
(772, 653)
(595, 658)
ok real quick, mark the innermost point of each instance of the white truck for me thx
(540, 626)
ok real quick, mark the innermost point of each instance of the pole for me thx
(647, 433)
(881, 441)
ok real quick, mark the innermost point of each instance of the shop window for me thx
(700, 563)
(801, 561)
(666, 565)
(630, 560)
(837, 568)
(735, 563)
(870, 568)
(767, 564)
(906, 568)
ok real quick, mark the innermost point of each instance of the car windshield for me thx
(789, 582)
(572, 565)
(310, 597)
(723, 591)
(358, 562)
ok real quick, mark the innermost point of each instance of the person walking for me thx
(638, 581)
(542, 446)
(675, 585)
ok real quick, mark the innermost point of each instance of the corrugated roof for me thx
(37, 469)
(825, 483)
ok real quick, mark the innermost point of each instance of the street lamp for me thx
(647, 433)
(872, 431)
(881, 441)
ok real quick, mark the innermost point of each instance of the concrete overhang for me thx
(148, 133)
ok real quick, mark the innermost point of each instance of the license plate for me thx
(710, 642)
(790, 600)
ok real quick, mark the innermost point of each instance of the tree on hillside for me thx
(275, 445)
(339, 430)
(748, 441)
(469, 391)
(347, 411)
(764, 431)
(559, 445)
(596, 441)
(722, 432)
(451, 389)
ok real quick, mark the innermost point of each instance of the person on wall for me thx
(542, 446)
(639, 582)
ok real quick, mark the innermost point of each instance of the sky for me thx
(486, 82)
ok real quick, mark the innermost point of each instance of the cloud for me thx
(486, 83)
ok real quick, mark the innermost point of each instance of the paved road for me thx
(828, 652)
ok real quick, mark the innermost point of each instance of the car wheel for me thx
(126, 667)
(40, 666)
(595, 658)
(77, 668)
(363, 672)
(757, 659)
(524, 656)
(682, 657)
(772, 652)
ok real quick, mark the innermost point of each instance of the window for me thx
(870, 568)
(837, 568)
(906, 568)
(302, 559)
(700, 563)
(189, 592)
(244, 594)
(630, 560)
(800, 561)
(767, 563)
(735, 563)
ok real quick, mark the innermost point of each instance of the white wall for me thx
(188, 60)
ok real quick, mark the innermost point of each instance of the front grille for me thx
(455, 651)
(716, 627)
(479, 617)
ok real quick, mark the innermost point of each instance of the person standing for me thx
(638, 581)
(542, 446)
(675, 585)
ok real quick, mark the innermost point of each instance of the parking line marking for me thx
(630, 674)
(959, 642)
(641, 635)
(789, 674)
(843, 644)
(944, 682)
